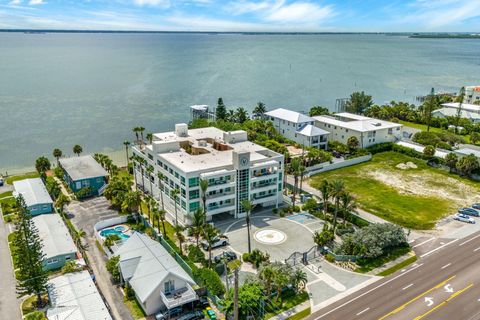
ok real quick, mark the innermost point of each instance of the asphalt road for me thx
(443, 284)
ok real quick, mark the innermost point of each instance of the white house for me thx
(452, 112)
(298, 127)
(235, 168)
(158, 280)
(74, 296)
(369, 131)
(472, 108)
(35, 195)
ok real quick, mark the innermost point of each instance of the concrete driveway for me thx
(84, 215)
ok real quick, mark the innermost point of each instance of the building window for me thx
(160, 163)
(68, 258)
(52, 261)
(182, 180)
(390, 131)
(193, 182)
(193, 194)
(150, 156)
(194, 206)
(169, 286)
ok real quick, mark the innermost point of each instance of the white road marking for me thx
(365, 310)
(446, 266)
(432, 251)
(411, 284)
(412, 241)
(461, 244)
(429, 301)
(266, 219)
(476, 249)
(421, 243)
(448, 288)
(367, 292)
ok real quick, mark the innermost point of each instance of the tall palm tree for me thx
(77, 149)
(178, 229)
(281, 279)
(148, 202)
(160, 177)
(141, 130)
(203, 188)
(209, 234)
(132, 202)
(231, 116)
(241, 115)
(150, 170)
(247, 207)
(198, 222)
(267, 275)
(155, 218)
(259, 110)
(460, 98)
(134, 159)
(325, 191)
(162, 216)
(301, 172)
(294, 169)
(299, 278)
(174, 194)
(142, 163)
(150, 137)
(136, 131)
(338, 188)
(126, 143)
(57, 153)
(348, 204)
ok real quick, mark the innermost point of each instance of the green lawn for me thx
(301, 315)
(290, 299)
(369, 265)
(397, 267)
(29, 175)
(413, 198)
(135, 309)
(432, 129)
(6, 194)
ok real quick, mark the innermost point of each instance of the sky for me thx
(244, 15)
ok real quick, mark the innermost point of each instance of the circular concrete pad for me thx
(270, 236)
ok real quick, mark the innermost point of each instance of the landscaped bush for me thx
(129, 292)
(256, 257)
(83, 193)
(380, 147)
(58, 172)
(195, 254)
(112, 267)
(219, 268)
(210, 279)
(36, 315)
(329, 257)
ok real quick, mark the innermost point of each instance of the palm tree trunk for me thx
(161, 195)
(336, 215)
(248, 235)
(164, 231)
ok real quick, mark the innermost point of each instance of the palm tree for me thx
(142, 163)
(126, 143)
(148, 202)
(134, 159)
(259, 110)
(198, 222)
(267, 275)
(348, 205)
(281, 279)
(132, 202)
(150, 170)
(299, 278)
(241, 115)
(428, 107)
(77, 238)
(150, 137)
(155, 217)
(294, 169)
(301, 172)
(77, 149)
(178, 229)
(325, 189)
(460, 98)
(231, 116)
(174, 195)
(160, 177)
(161, 217)
(57, 153)
(136, 131)
(247, 207)
(338, 188)
(210, 234)
(203, 189)
(141, 130)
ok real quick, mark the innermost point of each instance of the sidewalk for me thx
(62, 187)
(290, 312)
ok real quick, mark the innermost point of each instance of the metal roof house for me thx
(158, 280)
(452, 112)
(58, 245)
(84, 172)
(74, 296)
(35, 194)
(298, 127)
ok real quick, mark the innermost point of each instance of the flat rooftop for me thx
(465, 106)
(54, 234)
(289, 115)
(213, 159)
(84, 167)
(356, 122)
(33, 191)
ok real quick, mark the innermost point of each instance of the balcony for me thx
(225, 184)
(211, 210)
(178, 297)
(220, 196)
(263, 175)
(256, 199)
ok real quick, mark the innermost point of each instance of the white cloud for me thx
(36, 2)
(15, 2)
(153, 3)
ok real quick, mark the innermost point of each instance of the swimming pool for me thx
(114, 231)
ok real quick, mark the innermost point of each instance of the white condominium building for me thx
(298, 127)
(472, 94)
(235, 168)
(369, 131)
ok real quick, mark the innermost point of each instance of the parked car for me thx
(463, 218)
(220, 241)
(2, 181)
(228, 255)
(174, 312)
(476, 206)
(194, 315)
(469, 212)
(211, 314)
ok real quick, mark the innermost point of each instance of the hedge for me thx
(210, 279)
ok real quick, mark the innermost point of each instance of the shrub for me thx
(282, 213)
(296, 209)
(71, 267)
(330, 257)
(219, 268)
(195, 254)
(323, 237)
(256, 257)
(35, 315)
(112, 267)
(129, 292)
(58, 172)
(210, 279)
(83, 193)
(275, 210)
(380, 147)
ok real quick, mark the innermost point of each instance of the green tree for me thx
(348, 204)
(221, 111)
(174, 194)
(259, 110)
(149, 137)
(266, 274)
(282, 278)
(460, 98)
(241, 115)
(353, 143)
(126, 143)
(429, 150)
(198, 222)
(247, 207)
(325, 189)
(161, 186)
(31, 277)
(112, 268)
(150, 170)
(141, 130)
(162, 216)
(57, 153)
(451, 161)
(61, 202)
(338, 188)
(210, 234)
(323, 237)
(178, 230)
(131, 202)
(431, 103)
(295, 169)
(136, 131)
(474, 137)
(299, 279)
(42, 164)
(318, 111)
(203, 189)
(77, 149)
(359, 102)
(466, 165)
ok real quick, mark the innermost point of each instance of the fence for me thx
(338, 257)
(324, 167)
(107, 223)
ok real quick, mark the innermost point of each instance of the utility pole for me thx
(235, 297)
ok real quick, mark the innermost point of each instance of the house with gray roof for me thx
(57, 244)
(74, 296)
(298, 127)
(84, 173)
(159, 282)
(35, 194)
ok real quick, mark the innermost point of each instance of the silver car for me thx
(463, 218)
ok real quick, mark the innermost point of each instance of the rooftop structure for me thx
(185, 156)
(452, 112)
(35, 194)
(465, 106)
(74, 296)
(158, 280)
(84, 173)
(57, 244)
(472, 94)
(202, 111)
(368, 130)
(289, 115)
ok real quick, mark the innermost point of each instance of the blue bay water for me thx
(58, 90)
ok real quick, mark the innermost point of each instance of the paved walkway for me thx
(9, 304)
(290, 312)
(62, 187)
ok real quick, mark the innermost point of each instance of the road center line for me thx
(446, 266)
(436, 249)
(411, 284)
(421, 243)
(461, 244)
(367, 292)
(365, 310)
(476, 249)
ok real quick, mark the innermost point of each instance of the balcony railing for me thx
(178, 297)
(257, 174)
